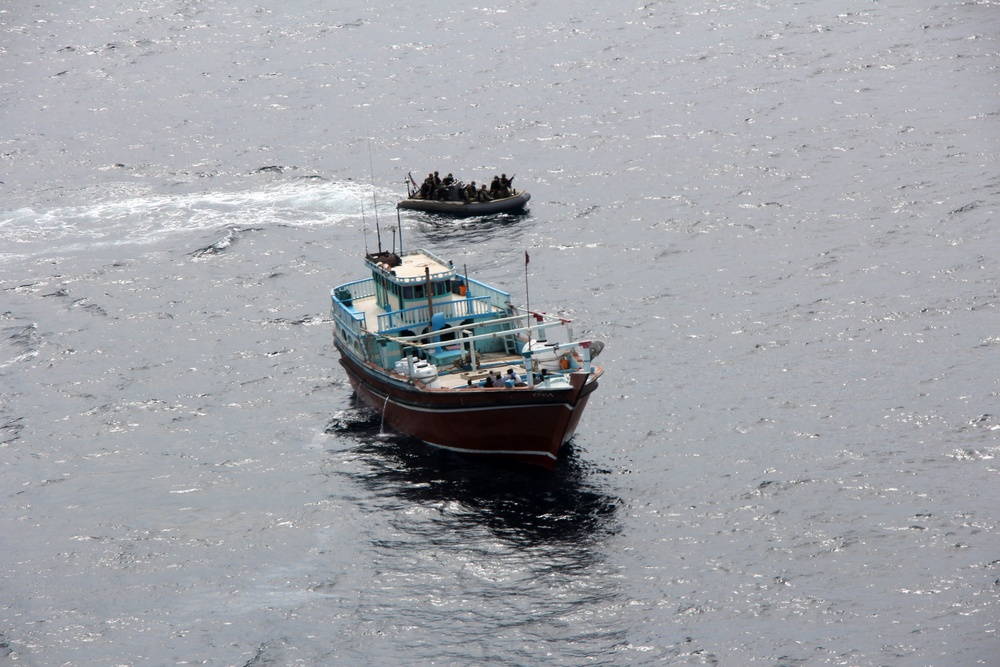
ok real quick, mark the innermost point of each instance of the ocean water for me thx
(781, 218)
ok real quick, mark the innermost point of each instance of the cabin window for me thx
(418, 291)
(408, 292)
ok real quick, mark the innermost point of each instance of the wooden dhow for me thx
(449, 360)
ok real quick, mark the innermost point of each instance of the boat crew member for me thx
(506, 185)
(427, 187)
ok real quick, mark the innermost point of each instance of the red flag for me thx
(526, 258)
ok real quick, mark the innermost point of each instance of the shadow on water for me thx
(441, 230)
(520, 504)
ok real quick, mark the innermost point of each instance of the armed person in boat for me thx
(507, 185)
(500, 187)
(450, 189)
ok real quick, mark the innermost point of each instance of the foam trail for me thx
(119, 216)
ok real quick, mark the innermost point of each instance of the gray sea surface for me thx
(781, 218)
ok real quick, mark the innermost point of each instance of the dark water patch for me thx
(446, 231)
(291, 172)
(354, 419)
(229, 237)
(773, 488)
(271, 653)
(562, 504)
(520, 504)
(83, 303)
(302, 320)
(89, 306)
(25, 337)
(6, 650)
(10, 431)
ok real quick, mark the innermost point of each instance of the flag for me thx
(526, 258)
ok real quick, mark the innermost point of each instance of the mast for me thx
(430, 295)
(364, 226)
(528, 366)
(371, 172)
(399, 226)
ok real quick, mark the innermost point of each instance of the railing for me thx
(497, 298)
(347, 316)
(449, 270)
(452, 310)
(360, 289)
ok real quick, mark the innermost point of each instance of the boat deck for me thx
(448, 379)
(498, 364)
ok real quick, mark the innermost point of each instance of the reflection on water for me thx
(519, 504)
(467, 548)
(441, 230)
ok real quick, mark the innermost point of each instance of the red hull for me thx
(516, 424)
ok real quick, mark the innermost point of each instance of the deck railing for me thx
(349, 318)
(459, 309)
(497, 298)
(360, 289)
(481, 299)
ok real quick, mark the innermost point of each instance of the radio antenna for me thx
(371, 171)
(364, 226)
(399, 226)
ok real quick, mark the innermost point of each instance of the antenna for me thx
(399, 225)
(364, 226)
(371, 171)
(527, 295)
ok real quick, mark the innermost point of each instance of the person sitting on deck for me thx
(511, 379)
(470, 192)
(484, 194)
(495, 187)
